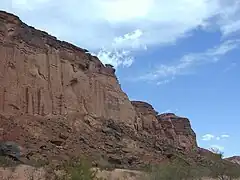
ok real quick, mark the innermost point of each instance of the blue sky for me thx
(181, 56)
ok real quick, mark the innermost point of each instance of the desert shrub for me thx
(80, 170)
(7, 162)
(101, 161)
(176, 170)
(74, 169)
(103, 164)
(222, 169)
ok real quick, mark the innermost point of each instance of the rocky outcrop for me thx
(234, 159)
(57, 100)
(167, 128)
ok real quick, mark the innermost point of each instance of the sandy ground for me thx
(24, 172)
(121, 174)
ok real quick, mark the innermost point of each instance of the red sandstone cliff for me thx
(57, 100)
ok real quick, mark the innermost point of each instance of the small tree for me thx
(216, 151)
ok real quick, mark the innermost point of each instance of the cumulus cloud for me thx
(116, 58)
(164, 72)
(130, 40)
(118, 54)
(94, 24)
(207, 137)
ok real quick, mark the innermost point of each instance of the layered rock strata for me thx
(57, 101)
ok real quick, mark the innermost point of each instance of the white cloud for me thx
(217, 147)
(225, 136)
(166, 111)
(163, 72)
(170, 111)
(229, 21)
(166, 81)
(129, 40)
(207, 137)
(121, 10)
(224, 48)
(116, 58)
(118, 55)
(27, 4)
(94, 24)
(230, 67)
(231, 28)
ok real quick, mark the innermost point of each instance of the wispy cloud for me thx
(230, 67)
(186, 63)
(210, 137)
(207, 137)
(170, 111)
(225, 136)
(217, 147)
(96, 24)
(229, 22)
(166, 81)
(166, 111)
(222, 137)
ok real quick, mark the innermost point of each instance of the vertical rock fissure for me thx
(27, 99)
(49, 80)
(62, 88)
(4, 98)
(39, 100)
(33, 106)
(61, 66)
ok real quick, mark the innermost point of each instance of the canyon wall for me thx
(57, 99)
(41, 75)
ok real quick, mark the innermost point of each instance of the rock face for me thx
(166, 128)
(57, 100)
(234, 159)
(41, 75)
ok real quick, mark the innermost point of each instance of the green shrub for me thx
(7, 162)
(80, 170)
(74, 169)
(222, 169)
(177, 170)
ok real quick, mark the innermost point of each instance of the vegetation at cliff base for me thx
(74, 169)
(179, 169)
